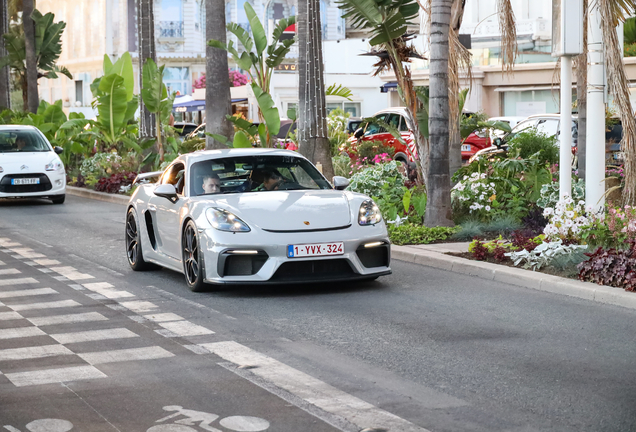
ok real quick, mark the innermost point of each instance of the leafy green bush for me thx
(105, 164)
(192, 144)
(550, 193)
(529, 142)
(370, 181)
(368, 149)
(469, 230)
(337, 129)
(407, 234)
(341, 165)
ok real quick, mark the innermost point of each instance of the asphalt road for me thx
(442, 351)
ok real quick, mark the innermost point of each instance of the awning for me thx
(197, 105)
(390, 86)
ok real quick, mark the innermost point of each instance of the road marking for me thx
(316, 392)
(9, 271)
(185, 328)
(107, 290)
(45, 305)
(77, 287)
(49, 376)
(19, 332)
(20, 281)
(44, 270)
(162, 317)
(27, 292)
(93, 335)
(67, 319)
(34, 352)
(1, 262)
(28, 253)
(46, 262)
(134, 354)
(9, 316)
(139, 306)
(71, 273)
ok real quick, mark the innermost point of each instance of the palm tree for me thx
(312, 116)
(5, 87)
(438, 208)
(31, 63)
(146, 47)
(218, 104)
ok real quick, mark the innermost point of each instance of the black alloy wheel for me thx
(192, 258)
(133, 243)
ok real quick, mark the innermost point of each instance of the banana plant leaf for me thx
(241, 140)
(269, 110)
(112, 105)
(258, 32)
(153, 91)
(123, 67)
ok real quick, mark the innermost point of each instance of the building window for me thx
(177, 80)
(353, 108)
(171, 19)
(530, 102)
(79, 93)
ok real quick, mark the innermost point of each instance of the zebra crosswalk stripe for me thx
(49, 376)
(27, 292)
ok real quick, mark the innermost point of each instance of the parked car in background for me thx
(482, 139)
(29, 166)
(353, 124)
(398, 118)
(548, 124)
(184, 128)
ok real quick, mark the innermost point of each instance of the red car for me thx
(399, 118)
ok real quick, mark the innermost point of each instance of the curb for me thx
(100, 196)
(515, 276)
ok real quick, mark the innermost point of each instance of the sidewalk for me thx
(434, 255)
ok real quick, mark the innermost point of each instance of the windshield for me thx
(14, 141)
(254, 174)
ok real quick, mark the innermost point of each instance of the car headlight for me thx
(223, 220)
(54, 165)
(369, 213)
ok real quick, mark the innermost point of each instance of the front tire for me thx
(134, 252)
(58, 199)
(192, 258)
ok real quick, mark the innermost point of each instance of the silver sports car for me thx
(246, 216)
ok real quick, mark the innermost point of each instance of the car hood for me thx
(290, 210)
(33, 161)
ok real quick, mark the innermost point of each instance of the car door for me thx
(548, 127)
(167, 212)
(374, 132)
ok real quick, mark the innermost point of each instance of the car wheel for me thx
(192, 258)
(133, 243)
(58, 199)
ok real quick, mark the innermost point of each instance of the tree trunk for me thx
(31, 64)
(313, 138)
(438, 208)
(5, 86)
(146, 47)
(455, 147)
(218, 103)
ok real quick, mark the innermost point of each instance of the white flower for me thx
(568, 223)
(548, 211)
(487, 208)
(569, 213)
(483, 176)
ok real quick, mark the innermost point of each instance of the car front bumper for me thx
(57, 180)
(225, 260)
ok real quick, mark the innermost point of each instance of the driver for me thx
(271, 180)
(20, 143)
(211, 184)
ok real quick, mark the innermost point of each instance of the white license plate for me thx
(465, 147)
(315, 249)
(25, 181)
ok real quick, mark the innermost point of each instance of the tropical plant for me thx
(550, 193)
(530, 143)
(545, 253)
(260, 60)
(337, 129)
(48, 48)
(156, 99)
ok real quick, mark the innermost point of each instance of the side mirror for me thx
(340, 183)
(167, 191)
(359, 133)
(497, 142)
(58, 150)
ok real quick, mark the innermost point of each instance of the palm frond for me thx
(339, 90)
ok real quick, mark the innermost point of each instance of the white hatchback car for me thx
(29, 165)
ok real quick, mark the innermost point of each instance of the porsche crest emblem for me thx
(306, 222)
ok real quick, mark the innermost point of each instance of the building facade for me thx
(95, 27)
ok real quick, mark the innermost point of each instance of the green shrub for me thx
(105, 164)
(341, 165)
(503, 225)
(550, 193)
(407, 234)
(337, 129)
(530, 141)
(368, 149)
(469, 230)
(370, 181)
(192, 144)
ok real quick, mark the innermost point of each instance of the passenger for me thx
(211, 184)
(271, 180)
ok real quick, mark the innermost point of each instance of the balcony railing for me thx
(170, 29)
